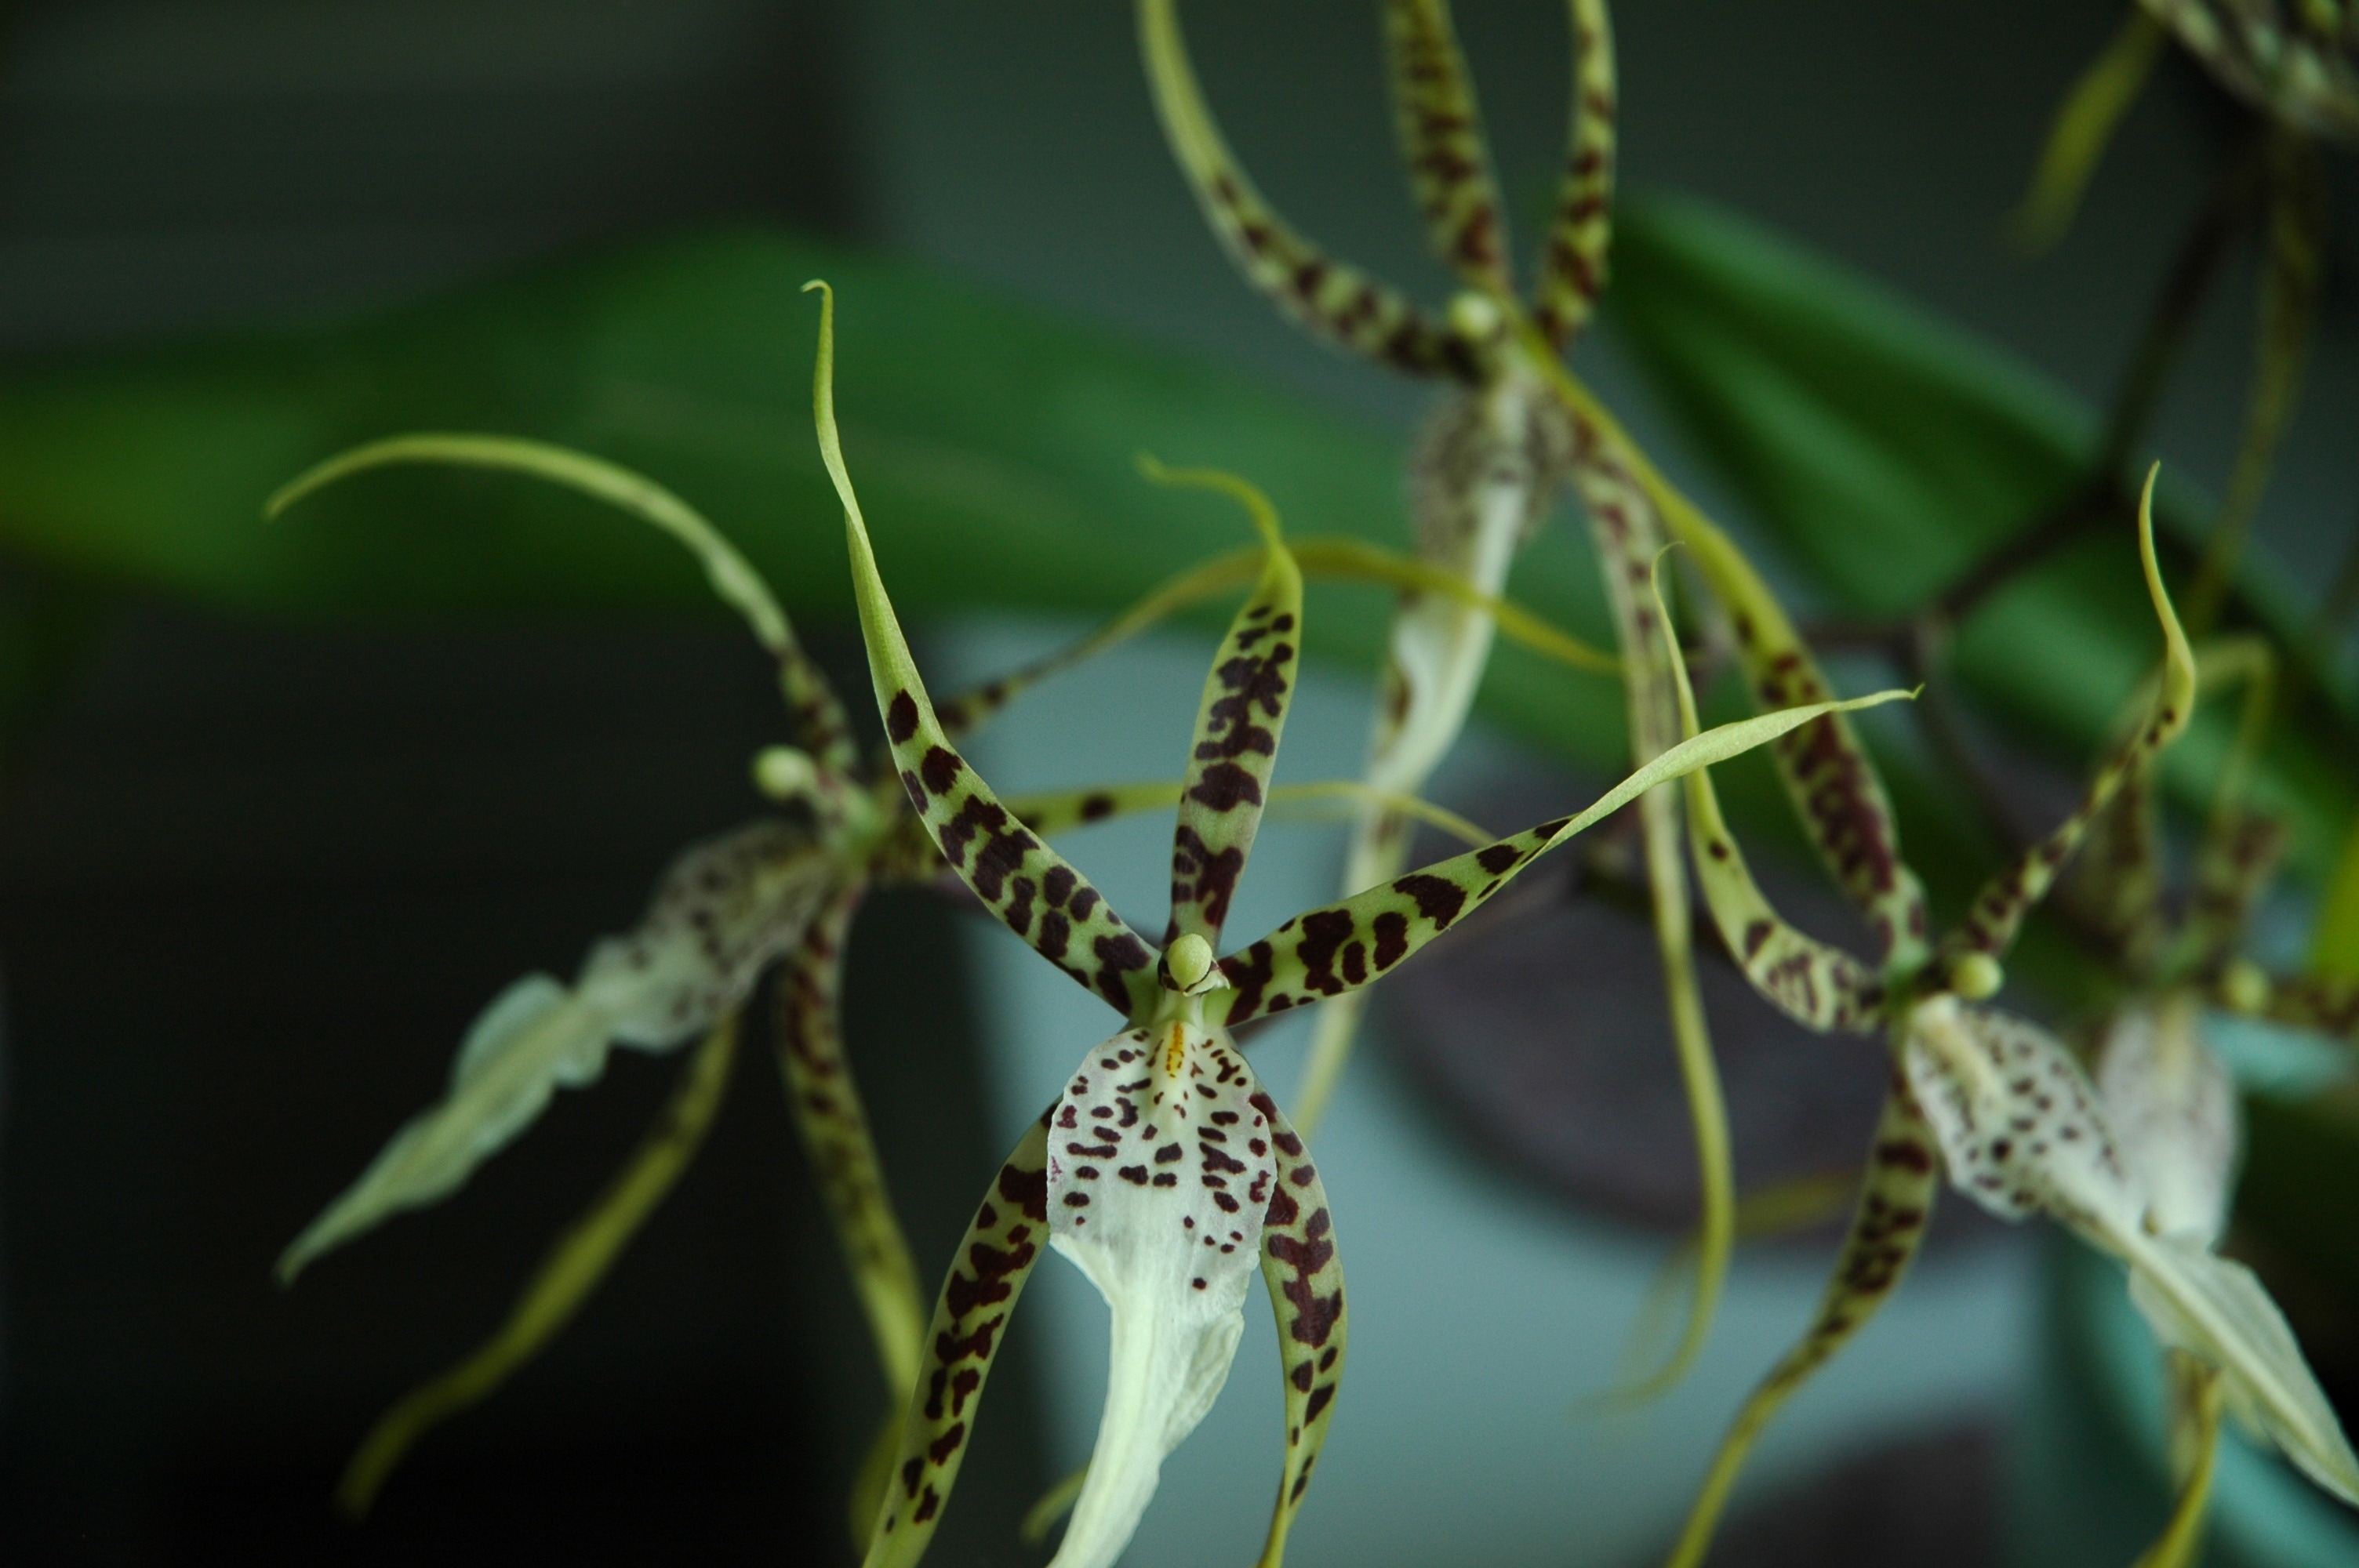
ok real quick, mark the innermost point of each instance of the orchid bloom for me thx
(1485, 473)
(1164, 1171)
(777, 893)
(2007, 1110)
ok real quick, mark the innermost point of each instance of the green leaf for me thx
(1889, 452)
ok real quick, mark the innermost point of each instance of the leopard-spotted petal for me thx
(2115, 886)
(988, 1273)
(1998, 911)
(1161, 1174)
(820, 716)
(1299, 1265)
(1828, 774)
(834, 1125)
(1239, 722)
(574, 1269)
(723, 911)
(1440, 130)
(1337, 301)
(1896, 1196)
(2024, 1131)
(1817, 985)
(1343, 946)
(1581, 232)
(1028, 885)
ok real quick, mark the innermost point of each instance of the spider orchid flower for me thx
(780, 894)
(1164, 1171)
(1487, 470)
(2007, 1112)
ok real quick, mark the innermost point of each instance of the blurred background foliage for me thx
(288, 796)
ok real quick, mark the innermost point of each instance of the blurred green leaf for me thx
(1888, 452)
(2334, 947)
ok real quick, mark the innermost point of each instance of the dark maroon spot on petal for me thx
(1437, 898)
(901, 717)
(940, 769)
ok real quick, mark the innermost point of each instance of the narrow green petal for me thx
(1829, 777)
(574, 1269)
(1028, 886)
(2084, 124)
(1819, 986)
(970, 1323)
(1239, 722)
(812, 701)
(1440, 130)
(1341, 946)
(1998, 911)
(1305, 1276)
(1895, 1197)
(1581, 234)
(1627, 529)
(1337, 301)
(834, 1125)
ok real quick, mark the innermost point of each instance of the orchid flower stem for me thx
(571, 1271)
(2197, 1393)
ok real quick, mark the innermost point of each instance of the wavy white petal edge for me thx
(724, 910)
(1159, 1176)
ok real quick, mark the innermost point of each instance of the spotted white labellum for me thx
(2022, 1129)
(2173, 1109)
(721, 913)
(1159, 1176)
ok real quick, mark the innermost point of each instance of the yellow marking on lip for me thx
(1175, 1051)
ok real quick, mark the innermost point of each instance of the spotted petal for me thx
(1305, 1277)
(1896, 1196)
(1339, 302)
(833, 1124)
(1160, 1175)
(1239, 722)
(1581, 232)
(2023, 1130)
(1817, 985)
(991, 1267)
(1343, 946)
(1030, 887)
(1441, 130)
(1998, 910)
(723, 911)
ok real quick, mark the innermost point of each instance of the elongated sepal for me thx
(1305, 1276)
(1344, 946)
(1160, 1175)
(1239, 722)
(2329, 1006)
(1440, 130)
(735, 582)
(2234, 865)
(1337, 301)
(721, 913)
(2172, 1107)
(1999, 909)
(2114, 884)
(1896, 1196)
(1819, 986)
(574, 1269)
(832, 1122)
(1028, 886)
(1580, 230)
(1836, 792)
(987, 1275)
